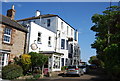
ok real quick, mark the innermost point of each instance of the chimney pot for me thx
(11, 12)
(13, 7)
(37, 13)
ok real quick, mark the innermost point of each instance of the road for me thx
(92, 76)
(85, 77)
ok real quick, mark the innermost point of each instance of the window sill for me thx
(49, 46)
(63, 49)
(39, 43)
(6, 43)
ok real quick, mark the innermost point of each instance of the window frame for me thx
(49, 41)
(67, 30)
(71, 32)
(48, 22)
(66, 44)
(61, 25)
(40, 37)
(7, 33)
(62, 43)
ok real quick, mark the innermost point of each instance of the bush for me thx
(24, 61)
(36, 76)
(11, 71)
(63, 68)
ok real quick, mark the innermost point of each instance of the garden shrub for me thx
(36, 76)
(11, 71)
(24, 61)
(63, 68)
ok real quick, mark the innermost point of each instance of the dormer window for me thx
(7, 35)
(48, 22)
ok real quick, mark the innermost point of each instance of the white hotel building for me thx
(49, 34)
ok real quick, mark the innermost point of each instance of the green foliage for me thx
(63, 67)
(36, 76)
(108, 52)
(38, 59)
(24, 61)
(11, 71)
(96, 61)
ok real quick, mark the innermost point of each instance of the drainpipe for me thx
(28, 37)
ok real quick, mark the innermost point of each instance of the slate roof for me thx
(44, 16)
(7, 21)
(38, 17)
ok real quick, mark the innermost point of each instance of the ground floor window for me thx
(66, 62)
(62, 61)
(3, 59)
(56, 62)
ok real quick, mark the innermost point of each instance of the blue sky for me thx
(77, 14)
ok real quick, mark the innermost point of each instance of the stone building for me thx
(12, 38)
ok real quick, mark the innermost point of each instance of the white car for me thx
(74, 70)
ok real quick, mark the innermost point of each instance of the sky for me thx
(77, 14)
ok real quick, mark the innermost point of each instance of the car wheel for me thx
(79, 75)
(82, 73)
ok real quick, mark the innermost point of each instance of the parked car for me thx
(74, 70)
(84, 68)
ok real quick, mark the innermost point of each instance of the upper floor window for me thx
(62, 43)
(71, 32)
(75, 35)
(66, 44)
(49, 41)
(62, 25)
(7, 35)
(39, 37)
(67, 30)
(48, 22)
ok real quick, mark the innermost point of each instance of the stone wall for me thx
(17, 43)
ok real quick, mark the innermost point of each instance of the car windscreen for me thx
(70, 67)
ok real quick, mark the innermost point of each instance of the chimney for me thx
(37, 13)
(11, 13)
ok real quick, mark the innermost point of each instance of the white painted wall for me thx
(40, 25)
(65, 32)
(44, 38)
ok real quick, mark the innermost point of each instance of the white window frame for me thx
(4, 59)
(8, 34)
(49, 41)
(61, 25)
(39, 37)
(67, 30)
(71, 32)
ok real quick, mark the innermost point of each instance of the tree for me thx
(95, 60)
(107, 43)
(38, 60)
